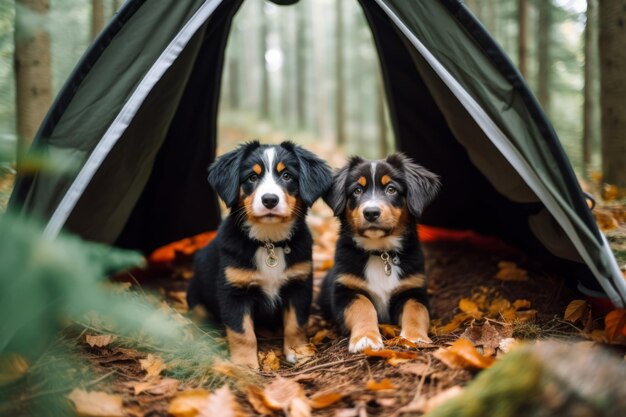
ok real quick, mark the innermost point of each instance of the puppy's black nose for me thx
(269, 200)
(371, 213)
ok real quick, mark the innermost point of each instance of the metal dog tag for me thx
(271, 260)
(386, 264)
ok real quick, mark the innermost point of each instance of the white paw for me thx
(423, 338)
(363, 342)
(291, 357)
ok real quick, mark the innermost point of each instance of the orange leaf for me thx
(324, 400)
(468, 306)
(269, 361)
(519, 304)
(463, 354)
(385, 384)
(188, 403)
(156, 386)
(389, 331)
(222, 403)
(615, 324)
(509, 271)
(96, 403)
(454, 324)
(280, 392)
(388, 353)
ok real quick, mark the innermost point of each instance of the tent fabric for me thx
(134, 129)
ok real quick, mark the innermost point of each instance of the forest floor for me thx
(486, 300)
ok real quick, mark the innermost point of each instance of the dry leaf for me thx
(153, 365)
(385, 384)
(12, 367)
(323, 400)
(269, 361)
(389, 331)
(418, 369)
(509, 271)
(322, 335)
(299, 407)
(399, 341)
(222, 403)
(100, 340)
(423, 405)
(463, 354)
(96, 403)
(188, 403)
(615, 325)
(156, 386)
(456, 322)
(486, 336)
(255, 398)
(393, 357)
(576, 310)
(469, 307)
(279, 393)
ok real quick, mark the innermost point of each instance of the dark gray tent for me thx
(139, 115)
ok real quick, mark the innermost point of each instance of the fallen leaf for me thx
(100, 340)
(279, 393)
(599, 335)
(12, 367)
(299, 407)
(423, 405)
(222, 403)
(156, 386)
(323, 400)
(463, 354)
(405, 343)
(469, 307)
(188, 403)
(153, 365)
(269, 361)
(389, 331)
(321, 336)
(418, 369)
(520, 304)
(393, 356)
(96, 403)
(576, 310)
(615, 325)
(509, 271)
(255, 398)
(486, 336)
(456, 322)
(385, 384)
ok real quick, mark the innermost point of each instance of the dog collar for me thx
(271, 259)
(388, 258)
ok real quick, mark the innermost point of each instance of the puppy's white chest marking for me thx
(381, 285)
(270, 279)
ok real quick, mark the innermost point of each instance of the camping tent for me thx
(134, 129)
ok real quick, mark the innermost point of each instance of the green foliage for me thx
(47, 288)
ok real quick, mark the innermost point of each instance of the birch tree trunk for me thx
(97, 17)
(522, 46)
(590, 110)
(543, 54)
(33, 77)
(340, 106)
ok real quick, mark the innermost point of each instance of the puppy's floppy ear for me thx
(315, 176)
(422, 185)
(224, 172)
(336, 197)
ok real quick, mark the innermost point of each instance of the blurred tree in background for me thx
(311, 71)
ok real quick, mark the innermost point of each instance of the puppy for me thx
(378, 275)
(257, 272)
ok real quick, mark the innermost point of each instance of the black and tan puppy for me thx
(378, 275)
(257, 272)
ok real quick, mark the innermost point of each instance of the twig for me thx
(324, 365)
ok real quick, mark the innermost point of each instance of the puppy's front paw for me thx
(371, 340)
(250, 361)
(415, 336)
(294, 354)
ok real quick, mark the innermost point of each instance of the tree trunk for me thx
(590, 111)
(301, 75)
(522, 50)
(543, 54)
(612, 18)
(33, 77)
(97, 17)
(234, 80)
(340, 105)
(382, 122)
(265, 81)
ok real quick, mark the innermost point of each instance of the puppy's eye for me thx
(286, 176)
(391, 190)
(357, 191)
(253, 178)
